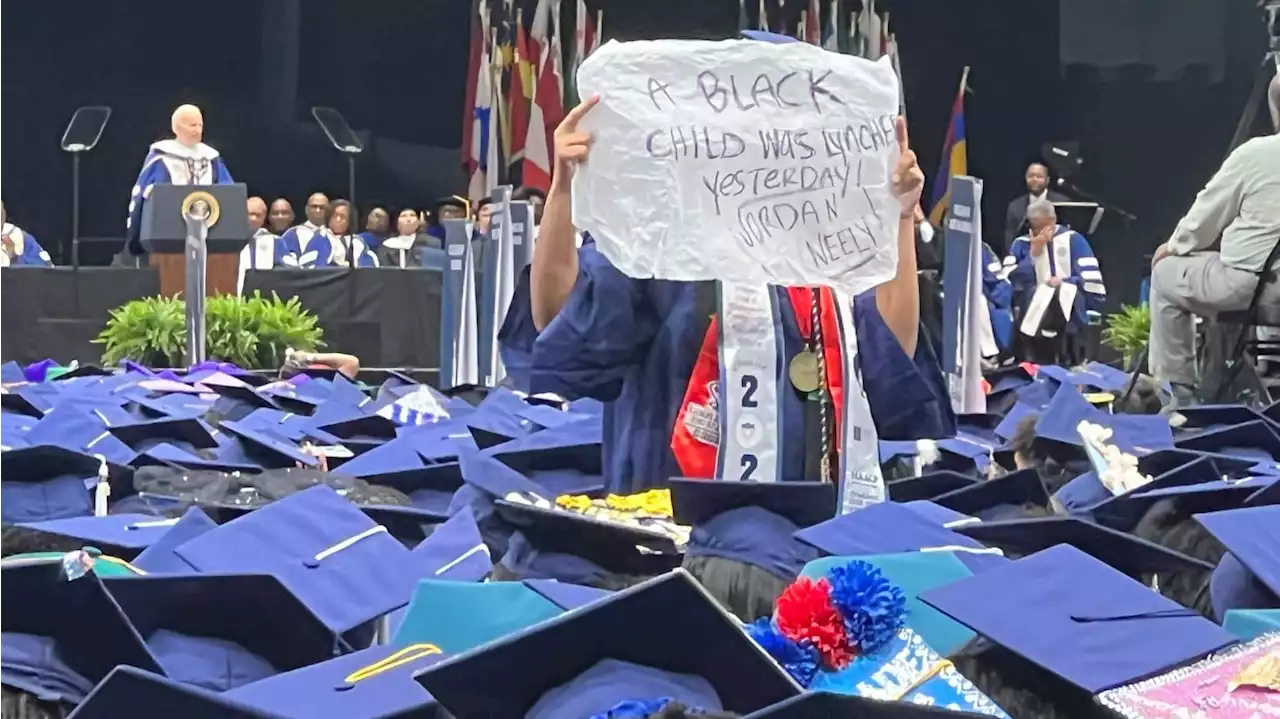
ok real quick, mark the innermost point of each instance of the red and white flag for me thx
(522, 83)
(547, 108)
(813, 23)
(471, 158)
(484, 137)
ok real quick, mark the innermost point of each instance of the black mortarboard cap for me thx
(929, 485)
(695, 501)
(825, 705)
(611, 545)
(996, 498)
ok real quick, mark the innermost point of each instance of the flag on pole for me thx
(466, 358)
(478, 185)
(555, 59)
(742, 15)
(955, 157)
(831, 33)
(493, 148)
(521, 92)
(503, 64)
(598, 33)
(584, 41)
(762, 22)
(813, 23)
(536, 171)
(471, 159)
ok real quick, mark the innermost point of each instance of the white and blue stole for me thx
(753, 374)
(1056, 262)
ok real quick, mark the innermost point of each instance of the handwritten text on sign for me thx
(740, 160)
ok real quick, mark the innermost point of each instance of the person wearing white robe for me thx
(310, 244)
(260, 252)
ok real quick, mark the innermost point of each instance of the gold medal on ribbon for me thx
(803, 371)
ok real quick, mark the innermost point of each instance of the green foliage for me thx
(1128, 330)
(251, 332)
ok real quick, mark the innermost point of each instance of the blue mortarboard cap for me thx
(1123, 511)
(273, 449)
(1269, 495)
(10, 372)
(608, 544)
(937, 513)
(1216, 416)
(31, 400)
(825, 705)
(548, 417)
(60, 632)
(495, 478)
(1130, 554)
(176, 406)
(14, 427)
(765, 36)
(660, 625)
(159, 557)
(565, 594)
(891, 528)
(119, 535)
(82, 432)
(697, 501)
(1252, 535)
(1095, 376)
(44, 482)
(347, 569)
(999, 497)
(1009, 425)
(915, 573)
(142, 435)
(371, 428)
(374, 683)
(1009, 378)
(929, 485)
(1079, 619)
(173, 455)
(454, 551)
(893, 449)
(396, 464)
(1255, 441)
(220, 631)
(574, 445)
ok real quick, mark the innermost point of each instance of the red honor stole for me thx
(696, 437)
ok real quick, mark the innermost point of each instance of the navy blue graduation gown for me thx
(633, 343)
(27, 252)
(170, 162)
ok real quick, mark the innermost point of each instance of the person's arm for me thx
(555, 255)
(898, 300)
(1215, 207)
(348, 365)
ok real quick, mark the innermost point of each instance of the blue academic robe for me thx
(999, 295)
(371, 240)
(171, 162)
(633, 343)
(306, 246)
(1076, 265)
(27, 252)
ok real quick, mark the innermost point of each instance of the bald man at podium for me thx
(183, 160)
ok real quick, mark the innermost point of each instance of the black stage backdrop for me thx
(396, 69)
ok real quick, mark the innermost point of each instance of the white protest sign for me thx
(740, 160)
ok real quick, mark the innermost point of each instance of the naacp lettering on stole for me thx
(740, 161)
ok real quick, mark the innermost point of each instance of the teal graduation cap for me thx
(648, 643)
(376, 683)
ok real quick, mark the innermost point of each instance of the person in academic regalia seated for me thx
(1056, 280)
(997, 327)
(280, 219)
(580, 328)
(404, 250)
(377, 226)
(309, 244)
(449, 208)
(484, 213)
(20, 248)
(260, 253)
(184, 160)
(536, 199)
(340, 214)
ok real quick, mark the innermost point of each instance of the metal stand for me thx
(197, 260)
(82, 135)
(335, 128)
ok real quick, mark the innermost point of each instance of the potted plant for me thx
(1128, 330)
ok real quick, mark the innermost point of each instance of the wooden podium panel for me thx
(221, 273)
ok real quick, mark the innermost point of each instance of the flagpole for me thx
(964, 80)
(600, 27)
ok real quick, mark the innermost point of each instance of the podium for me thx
(164, 234)
(194, 234)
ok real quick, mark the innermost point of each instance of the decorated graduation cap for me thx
(119, 535)
(998, 498)
(891, 528)
(1066, 612)
(1252, 537)
(644, 644)
(1130, 554)
(825, 705)
(929, 485)
(62, 631)
(1135, 434)
(752, 522)
(375, 683)
(1123, 511)
(344, 567)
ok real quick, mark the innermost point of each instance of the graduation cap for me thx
(1252, 536)
(376, 683)
(1254, 441)
(344, 567)
(220, 631)
(46, 482)
(454, 551)
(644, 643)
(63, 635)
(367, 429)
(459, 616)
(82, 370)
(170, 455)
(80, 431)
(31, 400)
(496, 479)
(142, 435)
(929, 485)
(1269, 495)
(272, 449)
(552, 531)
(118, 535)
(1128, 553)
(1081, 621)
(1135, 434)
(1123, 511)
(825, 705)
(396, 464)
(891, 528)
(770, 37)
(566, 595)
(574, 445)
(1214, 416)
(159, 558)
(10, 373)
(999, 497)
